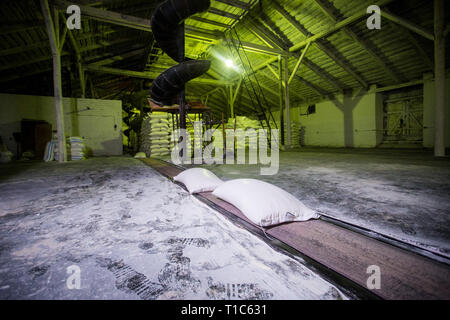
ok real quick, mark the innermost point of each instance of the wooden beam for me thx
(324, 48)
(266, 35)
(408, 24)
(324, 74)
(151, 75)
(119, 57)
(381, 61)
(124, 20)
(360, 14)
(299, 61)
(209, 21)
(223, 13)
(256, 48)
(329, 11)
(236, 3)
(57, 83)
(399, 86)
(315, 88)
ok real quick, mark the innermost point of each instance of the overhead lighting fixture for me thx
(229, 63)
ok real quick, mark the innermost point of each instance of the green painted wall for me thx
(99, 122)
(349, 121)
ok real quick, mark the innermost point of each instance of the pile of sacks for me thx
(155, 137)
(244, 124)
(295, 134)
(76, 149)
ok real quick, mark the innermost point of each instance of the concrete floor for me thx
(404, 194)
(114, 216)
(133, 234)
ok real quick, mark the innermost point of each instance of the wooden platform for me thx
(404, 274)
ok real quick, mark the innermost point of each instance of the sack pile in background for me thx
(295, 134)
(155, 138)
(244, 123)
(76, 149)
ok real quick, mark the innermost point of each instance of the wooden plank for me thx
(404, 274)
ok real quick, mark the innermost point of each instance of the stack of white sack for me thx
(295, 134)
(76, 148)
(250, 129)
(145, 135)
(159, 134)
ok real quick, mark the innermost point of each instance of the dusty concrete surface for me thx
(404, 194)
(133, 234)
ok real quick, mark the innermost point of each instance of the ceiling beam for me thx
(126, 20)
(256, 48)
(331, 12)
(336, 27)
(266, 35)
(321, 46)
(236, 3)
(149, 75)
(222, 13)
(209, 21)
(408, 24)
(119, 57)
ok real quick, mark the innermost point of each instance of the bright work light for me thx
(229, 63)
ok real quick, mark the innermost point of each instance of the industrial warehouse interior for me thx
(224, 150)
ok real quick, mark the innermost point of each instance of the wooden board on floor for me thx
(403, 274)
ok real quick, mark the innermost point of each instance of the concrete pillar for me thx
(439, 58)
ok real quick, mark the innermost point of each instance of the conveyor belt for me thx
(342, 254)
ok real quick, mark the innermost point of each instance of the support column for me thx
(439, 75)
(231, 101)
(287, 102)
(280, 88)
(57, 83)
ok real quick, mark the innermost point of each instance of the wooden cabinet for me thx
(35, 135)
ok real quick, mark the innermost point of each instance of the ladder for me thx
(252, 86)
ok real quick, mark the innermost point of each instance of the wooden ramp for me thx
(404, 274)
